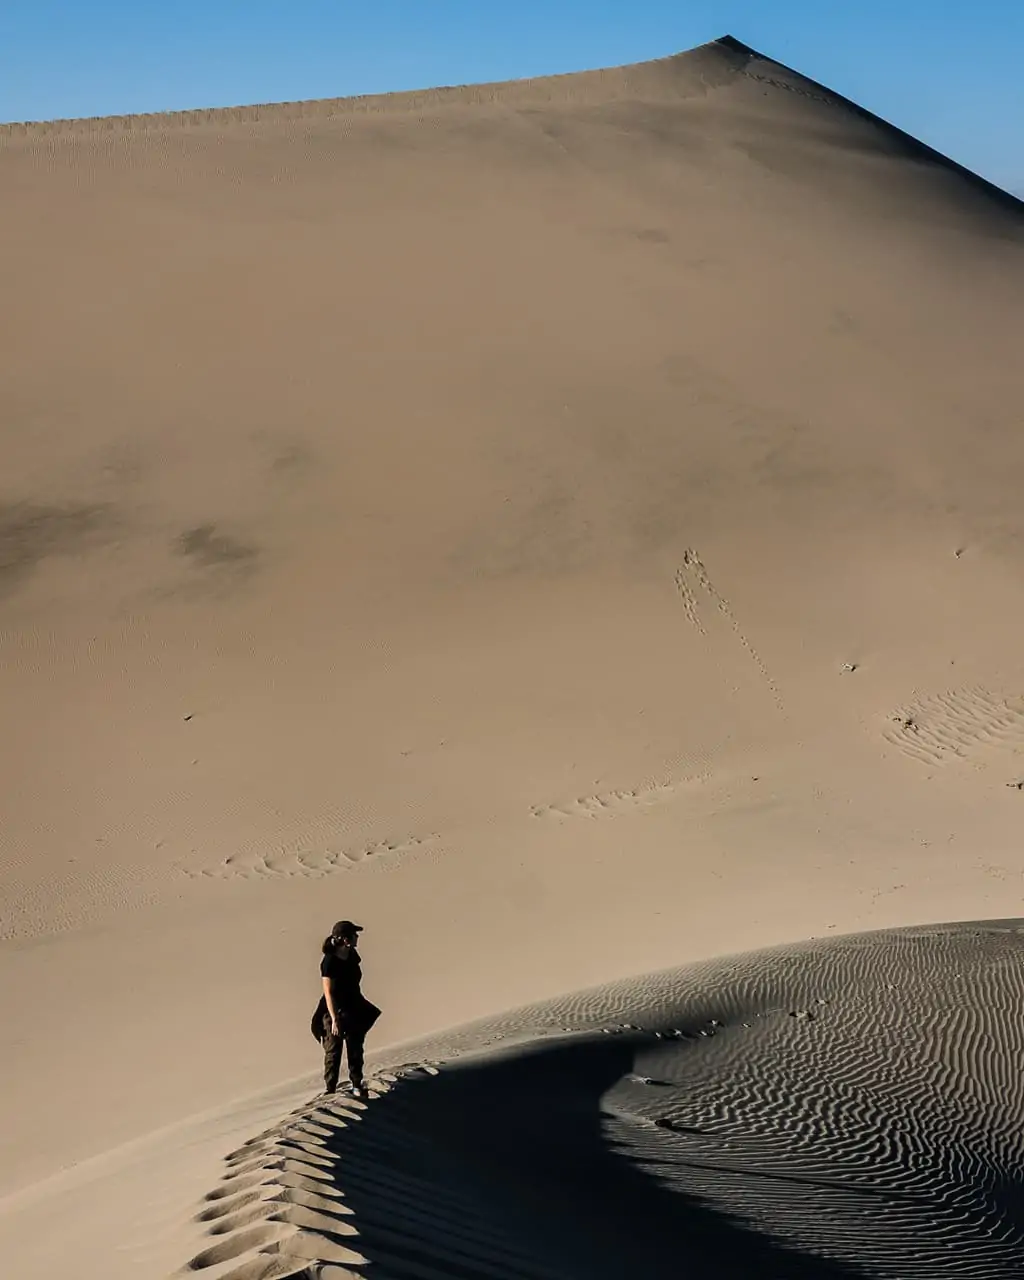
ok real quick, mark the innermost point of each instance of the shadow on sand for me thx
(505, 1168)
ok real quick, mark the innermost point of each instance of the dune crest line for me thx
(842, 1108)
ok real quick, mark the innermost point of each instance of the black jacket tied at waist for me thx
(359, 1018)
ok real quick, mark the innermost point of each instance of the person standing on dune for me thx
(344, 1015)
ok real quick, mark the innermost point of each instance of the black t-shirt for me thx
(345, 976)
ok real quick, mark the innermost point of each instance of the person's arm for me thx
(330, 1005)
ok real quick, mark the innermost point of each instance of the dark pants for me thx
(351, 1040)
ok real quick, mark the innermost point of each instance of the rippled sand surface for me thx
(848, 1108)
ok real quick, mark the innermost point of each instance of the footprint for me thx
(607, 804)
(693, 574)
(241, 1242)
(223, 1207)
(259, 1212)
(286, 865)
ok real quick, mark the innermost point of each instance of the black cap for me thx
(345, 929)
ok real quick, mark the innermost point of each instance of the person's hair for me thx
(335, 940)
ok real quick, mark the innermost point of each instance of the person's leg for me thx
(332, 1056)
(354, 1049)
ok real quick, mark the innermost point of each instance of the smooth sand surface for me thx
(572, 528)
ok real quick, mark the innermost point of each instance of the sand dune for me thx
(572, 527)
(844, 1108)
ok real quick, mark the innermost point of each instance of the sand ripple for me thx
(842, 1108)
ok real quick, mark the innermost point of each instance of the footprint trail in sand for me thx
(838, 1109)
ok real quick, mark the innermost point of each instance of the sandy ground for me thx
(838, 1109)
(572, 528)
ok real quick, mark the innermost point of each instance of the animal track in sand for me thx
(691, 579)
(288, 864)
(958, 724)
(689, 600)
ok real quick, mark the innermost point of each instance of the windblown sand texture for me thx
(572, 528)
(842, 1109)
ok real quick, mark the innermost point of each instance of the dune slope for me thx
(571, 527)
(840, 1109)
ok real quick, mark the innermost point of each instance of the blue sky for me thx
(948, 72)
